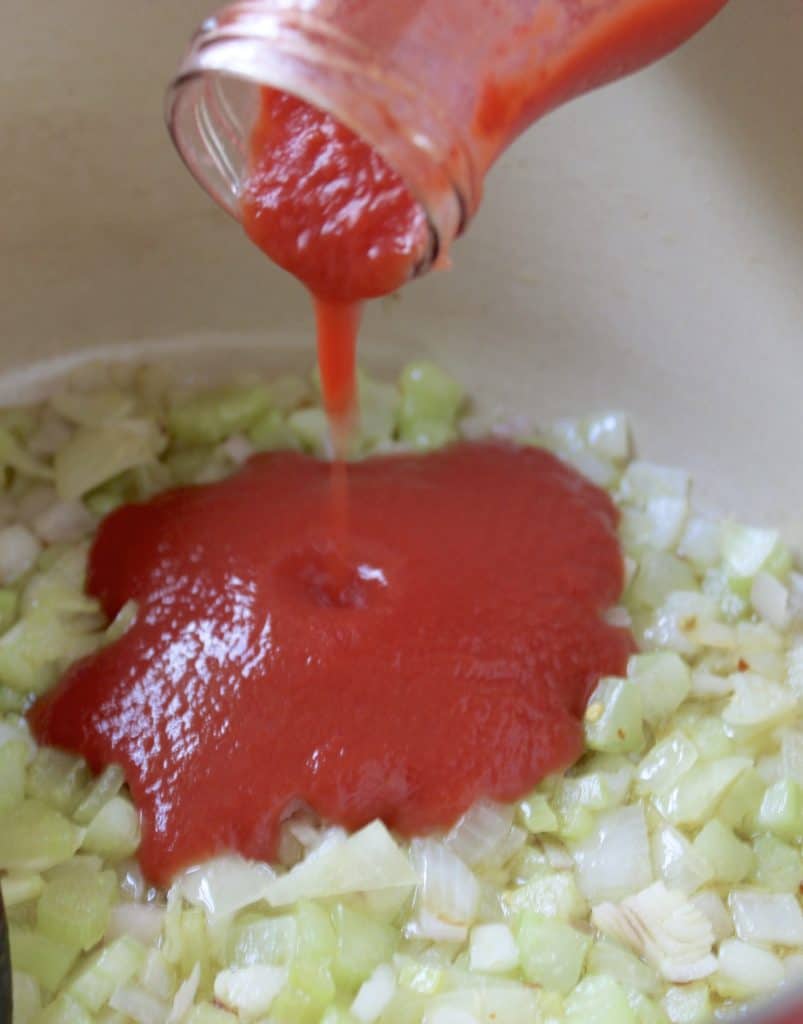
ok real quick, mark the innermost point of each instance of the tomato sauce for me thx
(449, 658)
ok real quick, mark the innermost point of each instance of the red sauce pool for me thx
(449, 658)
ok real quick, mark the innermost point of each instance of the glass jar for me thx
(439, 88)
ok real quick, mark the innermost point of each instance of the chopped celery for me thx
(257, 939)
(212, 417)
(9, 604)
(362, 944)
(310, 428)
(13, 759)
(493, 949)
(781, 810)
(208, 1013)
(666, 763)
(57, 778)
(75, 909)
(552, 952)
(645, 1009)
(613, 717)
(379, 411)
(663, 680)
(101, 790)
(249, 991)
(658, 574)
(554, 895)
(112, 966)
(599, 1000)
(430, 403)
(35, 837)
(778, 866)
(731, 860)
(607, 957)
(271, 431)
(114, 831)
(64, 1010)
(309, 992)
(44, 959)
(187, 465)
(740, 806)
(27, 998)
(536, 815)
(696, 796)
(19, 887)
(746, 549)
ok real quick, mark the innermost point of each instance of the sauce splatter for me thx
(448, 659)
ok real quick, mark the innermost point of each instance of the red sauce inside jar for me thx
(448, 658)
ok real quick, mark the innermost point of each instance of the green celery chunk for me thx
(99, 793)
(552, 952)
(729, 857)
(113, 965)
(215, 415)
(9, 607)
(75, 909)
(114, 831)
(44, 959)
(34, 837)
(613, 718)
(781, 810)
(13, 759)
(599, 1000)
(362, 945)
(57, 778)
(777, 865)
(64, 1011)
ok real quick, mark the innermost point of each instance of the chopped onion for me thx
(770, 598)
(374, 995)
(480, 834)
(768, 918)
(185, 996)
(615, 859)
(64, 522)
(19, 550)
(493, 949)
(677, 861)
(757, 703)
(366, 861)
(449, 889)
(711, 905)
(744, 970)
(138, 1005)
(225, 885)
(144, 921)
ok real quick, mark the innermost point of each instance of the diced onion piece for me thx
(615, 859)
(700, 543)
(249, 991)
(666, 763)
(695, 798)
(19, 550)
(680, 865)
(64, 523)
(599, 1000)
(449, 888)
(609, 435)
(449, 1015)
(225, 885)
(663, 680)
(711, 905)
(666, 928)
(138, 1005)
(480, 834)
(368, 860)
(429, 926)
(643, 481)
(611, 958)
(745, 549)
(374, 995)
(94, 455)
(757, 703)
(781, 810)
(688, 1004)
(744, 970)
(767, 918)
(792, 755)
(185, 996)
(729, 858)
(493, 949)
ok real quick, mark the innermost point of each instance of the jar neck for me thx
(213, 100)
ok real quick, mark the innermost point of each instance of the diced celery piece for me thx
(575, 822)
(741, 803)
(270, 432)
(64, 1011)
(666, 763)
(57, 778)
(599, 1000)
(663, 680)
(34, 837)
(9, 605)
(13, 454)
(553, 895)
(429, 435)
(425, 979)
(19, 887)
(646, 1010)
(11, 700)
(613, 717)
(746, 549)
(315, 935)
(100, 791)
(258, 939)
(309, 992)
(113, 965)
(215, 415)
(688, 1004)
(781, 810)
(310, 428)
(187, 465)
(362, 944)
(28, 653)
(658, 574)
(552, 953)
(696, 796)
(607, 957)
(336, 1015)
(114, 831)
(536, 815)
(35, 954)
(76, 909)
(609, 435)
(730, 858)
(778, 866)
(207, 1013)
(428, 397)
(27, 998)
(709, 735)
(379, 405)
(13, 759)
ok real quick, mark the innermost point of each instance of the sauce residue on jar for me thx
(450, 658)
